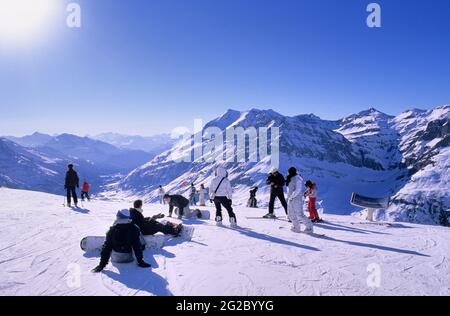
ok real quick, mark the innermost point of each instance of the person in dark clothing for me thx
(252, 201)
(72, 182)
(150, 225)
(180, 203)
(276, 182)
(122, 239)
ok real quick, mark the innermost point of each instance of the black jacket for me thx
(276, 181)
(138, 219)
(122, 238)
(72, 179)
(177, 201)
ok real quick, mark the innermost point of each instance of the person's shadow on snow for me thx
(250, 233)
(373, 246)
(141, 281)
(81, 210)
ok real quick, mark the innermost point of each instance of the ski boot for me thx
(219, 221)
(269, 216)
(233, 222)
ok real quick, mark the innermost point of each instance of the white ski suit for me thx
(202, 193)
(295, 205)
(161, 194)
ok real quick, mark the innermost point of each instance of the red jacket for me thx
(86, 187)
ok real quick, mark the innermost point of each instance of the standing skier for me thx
(122, 239)
(85, 191)
(72, 182)
(295, 202)
(311, 194)
(221, 194)
(276, 182)
(192, 192)
(161, 194)
(201, 193)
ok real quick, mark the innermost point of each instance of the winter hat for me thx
(273, 170)
(123, 214)
(309, 184)
(70, 166)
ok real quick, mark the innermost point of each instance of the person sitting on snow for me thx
(276, 182)
(294, 183)
(122, 239)
(221, 194)
(150, 225)
(311, 194)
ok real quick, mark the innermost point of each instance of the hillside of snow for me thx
(40, 255)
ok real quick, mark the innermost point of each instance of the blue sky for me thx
(147, 66)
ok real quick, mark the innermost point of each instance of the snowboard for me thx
(274, 218)
(95, 243)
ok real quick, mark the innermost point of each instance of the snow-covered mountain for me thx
(153, 145)
(102, 154)
(34, 140)
(370, 152)
(41, 164)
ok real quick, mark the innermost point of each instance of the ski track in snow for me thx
(40, 255)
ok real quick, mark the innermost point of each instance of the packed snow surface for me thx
(40, 255)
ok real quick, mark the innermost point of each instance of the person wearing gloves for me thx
(294, 183)
(221, 194)
(122, 239)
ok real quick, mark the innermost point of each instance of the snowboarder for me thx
(202, 193)
(294, 183)
(122, 239)
(180, 203)
(150, 225)
(276, 182)
(252, 201)
(311, 194)
(192, 192)
(221, 194)
(161, 194)
(72, 182)
(85, 191)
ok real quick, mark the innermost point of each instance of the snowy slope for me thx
(40, 255)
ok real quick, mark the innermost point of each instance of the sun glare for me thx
(25, 20)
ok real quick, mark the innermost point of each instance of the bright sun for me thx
(24, 20)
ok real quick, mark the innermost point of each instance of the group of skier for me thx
(294, 183)
(72, 183)
(125, 236)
